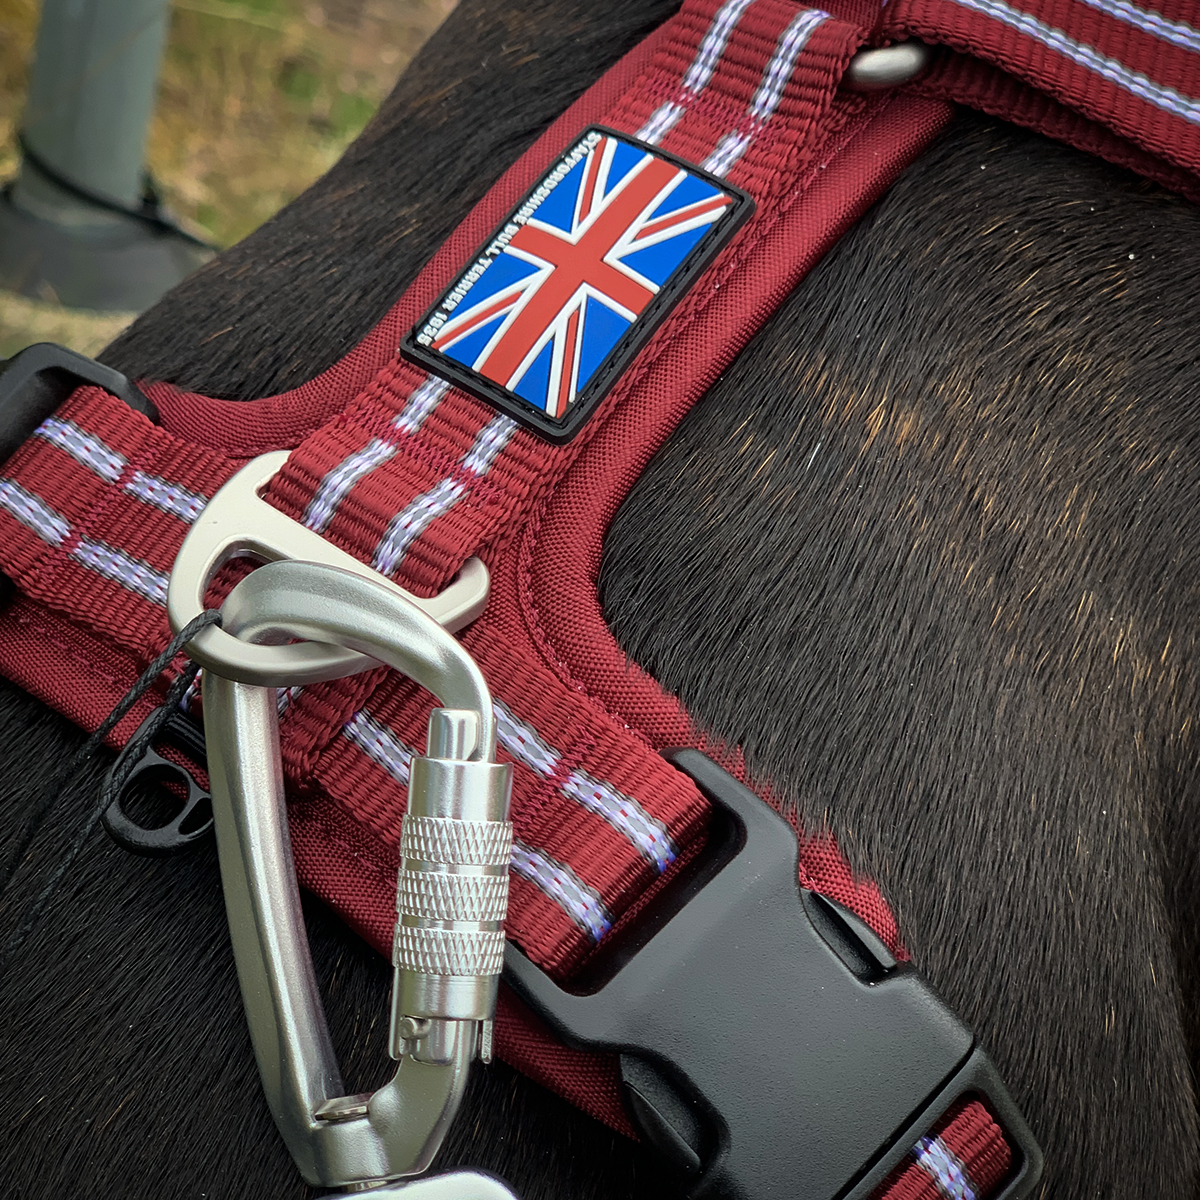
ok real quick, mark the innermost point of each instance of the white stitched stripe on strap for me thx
(380, 745)
(1148, 21)
(770, 91)
(712, 46)
(187, 506)
(412, 521)
(122, 568)
(1168, 99)
(493, 437)
(560, 883)
(83, 447)
(97, 556)
(92, 453)
(334, 488)
(425, 398)
(35, 513)
(647, 834)
(783, 63)
(945, 1168)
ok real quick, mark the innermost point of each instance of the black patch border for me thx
(562, 430)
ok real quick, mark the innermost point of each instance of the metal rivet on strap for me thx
(887, 67)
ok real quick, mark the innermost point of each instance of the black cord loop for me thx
(46, 803)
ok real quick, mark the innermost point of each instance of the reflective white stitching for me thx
(1115, 72)
(380, 745)
(712, 47)
(783, 63)
(337, 483)
(1148, 21)
(92, 453)
(660, 122)
(580, 902)
(83, 447)
(647, 834)
(105, 560)
(945, 1168)
(185, 505)
(412, 521)
(421, 403)
(493, 437)
(35, 513)
(123, 568)
(770, 90)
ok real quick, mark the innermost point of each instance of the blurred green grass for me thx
(257, 98)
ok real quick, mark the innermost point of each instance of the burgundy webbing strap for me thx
(413, 477)
(1116, 79)
(95, 507)
(964, 1156)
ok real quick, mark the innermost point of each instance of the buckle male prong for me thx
(770, 1045)
(452, 898)
(238, 522)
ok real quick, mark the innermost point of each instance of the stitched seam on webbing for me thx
(533, 526)
(480, 488)
(356, 696)
(70, 651)
(984, 47)
(359, 694)
(88, 528)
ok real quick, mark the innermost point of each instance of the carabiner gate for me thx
(452, 896)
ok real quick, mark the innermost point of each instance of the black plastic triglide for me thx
(192, 819)
(770, 1044)
(34, 382)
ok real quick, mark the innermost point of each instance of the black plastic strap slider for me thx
(37, 380)
(770, 1044)
(192, 821)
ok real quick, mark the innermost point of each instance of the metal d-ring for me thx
(237, 522)
(455, 847)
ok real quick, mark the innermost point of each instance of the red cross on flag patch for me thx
(546, 316)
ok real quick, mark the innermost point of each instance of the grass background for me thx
(257, 98)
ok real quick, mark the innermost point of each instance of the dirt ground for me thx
(257, 98)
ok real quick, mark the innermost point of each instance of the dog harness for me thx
(549, 348)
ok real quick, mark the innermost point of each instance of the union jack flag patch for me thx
(544, 319)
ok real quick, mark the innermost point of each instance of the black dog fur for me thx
(925, 552)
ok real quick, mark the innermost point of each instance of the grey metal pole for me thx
(63, 234)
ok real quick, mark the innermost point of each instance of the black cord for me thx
(150, 213)
(170, 702)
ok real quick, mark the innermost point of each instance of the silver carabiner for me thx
(451, 901)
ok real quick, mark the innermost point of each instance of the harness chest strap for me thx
(414, 476)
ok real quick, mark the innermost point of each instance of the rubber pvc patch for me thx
(544, 319)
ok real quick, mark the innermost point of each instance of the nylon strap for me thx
(413, 477)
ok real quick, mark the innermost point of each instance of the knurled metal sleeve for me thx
(449, 951)
(434, 896)
(456, 843)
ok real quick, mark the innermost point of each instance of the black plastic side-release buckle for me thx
(34, 382)
(770, 1044)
